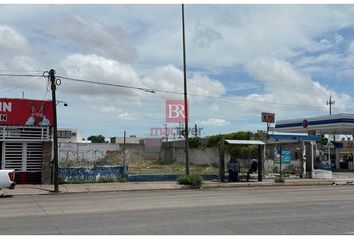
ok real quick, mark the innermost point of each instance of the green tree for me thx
(194, 142)
(96, 139)
(237, 151)
(323, 141)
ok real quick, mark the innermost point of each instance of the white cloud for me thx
(20, 65)
(204, 36)
(95, 38)
(166, 78)
(100, 69)
(351, 47)
(347, 69)
(170, 78)
(117, 113)
(12, 42)
(338, 38)
(223, 36)
(214, 122)
(284, 84)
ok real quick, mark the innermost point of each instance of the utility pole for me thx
(174, 147)
(330, 103)
(185, 95)
(166, 133)
(222, 159)
(55, 136)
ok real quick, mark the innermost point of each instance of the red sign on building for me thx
(25, 112)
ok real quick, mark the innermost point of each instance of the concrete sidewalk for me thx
(169, 185)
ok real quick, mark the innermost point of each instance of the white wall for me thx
(86, 152)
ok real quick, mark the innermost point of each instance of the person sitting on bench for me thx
(252, 169)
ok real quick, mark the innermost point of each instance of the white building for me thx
(69, 135)
(132, 139)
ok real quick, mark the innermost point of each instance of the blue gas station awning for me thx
(291, 137)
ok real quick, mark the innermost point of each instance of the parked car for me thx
(7, 179)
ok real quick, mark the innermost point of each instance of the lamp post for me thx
(185, 95)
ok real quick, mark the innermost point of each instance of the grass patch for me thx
(279, 179)
(194, 180)
(158, 167)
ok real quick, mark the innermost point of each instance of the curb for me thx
(50, 192)
(271, 184)
(185, 187)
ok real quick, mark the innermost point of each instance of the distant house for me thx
(132, 139)
(69, 135)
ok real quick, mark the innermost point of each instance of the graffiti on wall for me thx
(90, 174)
(89, 155)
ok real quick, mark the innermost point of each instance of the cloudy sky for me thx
(241, 60)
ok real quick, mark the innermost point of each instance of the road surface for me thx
(266, 210)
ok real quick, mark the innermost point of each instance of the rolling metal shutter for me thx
(34, 157)
(13, 156)
(23, 157)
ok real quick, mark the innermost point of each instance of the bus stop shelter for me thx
(260, 155)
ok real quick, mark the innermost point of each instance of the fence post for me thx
(222, 160)
(125, 162)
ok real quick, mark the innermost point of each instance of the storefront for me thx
(25, 143)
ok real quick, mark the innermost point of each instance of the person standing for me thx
(231, 167)
(237, 170)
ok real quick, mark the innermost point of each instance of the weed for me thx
(193, 180)
(279, 179)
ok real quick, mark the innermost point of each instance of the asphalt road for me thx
(276, 210)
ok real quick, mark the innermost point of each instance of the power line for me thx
(21, 71)
(223, 98)
(19, 75)
(151, 90)
(107, 84)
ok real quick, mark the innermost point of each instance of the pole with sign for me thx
(268, 118)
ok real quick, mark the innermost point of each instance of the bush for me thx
(194, 180)
(279, 179)
(61, 179)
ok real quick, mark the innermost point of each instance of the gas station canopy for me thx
(342, 123)
(244, 142)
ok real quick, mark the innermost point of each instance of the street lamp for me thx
(64, 103)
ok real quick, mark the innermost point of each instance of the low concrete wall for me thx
(92, 154)
(88, 154)
(199, 156)
(162, 177)
(322, 174)
(91, 174)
